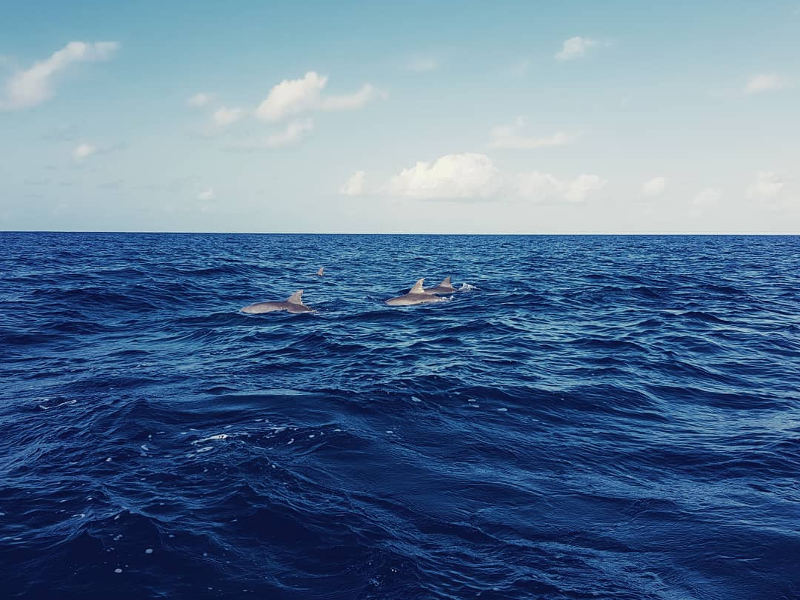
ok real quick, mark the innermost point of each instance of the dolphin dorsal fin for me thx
(417, 289)
(446, 282)
(296, 298)
(321, 271)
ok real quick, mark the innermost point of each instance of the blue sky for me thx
(517, 117)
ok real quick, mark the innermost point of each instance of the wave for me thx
(604, 417)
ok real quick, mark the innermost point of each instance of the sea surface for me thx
(592, 417)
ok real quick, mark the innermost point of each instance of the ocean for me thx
(605, 417)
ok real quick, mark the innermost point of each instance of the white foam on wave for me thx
(66, 403)
(219, 436)
(466, 287)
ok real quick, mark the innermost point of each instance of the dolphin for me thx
(445, 288)
(321, 272)
(416, 295)
(293, 304)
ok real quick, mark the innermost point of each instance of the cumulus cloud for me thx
(355, 185)
(766, 186)
(294, 96)
(512, 137)
(654, 187)
(453, 176)
(83, 151)
(35, 85)
(199, 100)
(207, 194)
(575, 47)
(472, 176)
(224, 116)
(764, 82)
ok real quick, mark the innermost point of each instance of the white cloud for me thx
(83, 151)
(766, 186)
(353, 101)
(207, 194)
(472, 176)
(707, 197)
(541, 187)
(295, 96)
(575, 47)
(35, 85)
(292, 96)
(654, 187)
(764, 82)
(579, 188)
(355, 185)
(224, 116)
(294, 132)
(511, 137)
(454, 176)
(422, 64)
(199, 100)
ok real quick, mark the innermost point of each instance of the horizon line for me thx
(500, 233)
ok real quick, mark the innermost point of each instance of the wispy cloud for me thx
(33, 86)
(207, 194)
(294, 132)
(654, 187)
(422, 64)
(295, 96)
(199, 100)
(513, 136)
(575, 47)
(764, 82)
(353, 101)
(707, 197)
(767, 186)
(225, 116)
(83, 151)
(542, 187)
(355, 185)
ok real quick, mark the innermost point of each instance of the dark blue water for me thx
(601, 417)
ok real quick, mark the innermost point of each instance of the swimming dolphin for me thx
(416, 295)
(293, 304)
(445, 288)
(321, 271)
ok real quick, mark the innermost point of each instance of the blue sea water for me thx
(600, 417)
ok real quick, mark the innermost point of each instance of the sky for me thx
(402, 117)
